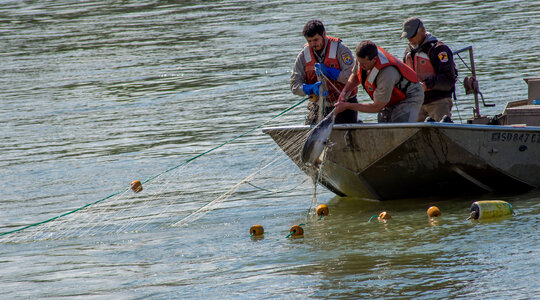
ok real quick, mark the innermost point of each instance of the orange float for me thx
(136, 186)
(322, 210)
(384, 216)
(296, 230)
(434, 211)
(256, 230)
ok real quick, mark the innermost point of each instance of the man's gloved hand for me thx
(311, 89)
(327, 71)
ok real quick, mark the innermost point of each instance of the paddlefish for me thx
(317, 141)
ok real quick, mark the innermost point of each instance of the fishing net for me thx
(182, 194)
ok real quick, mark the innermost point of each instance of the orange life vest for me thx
(421, 64)
(385, 59)
(330, 60)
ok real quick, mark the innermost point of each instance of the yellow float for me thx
(490, 209)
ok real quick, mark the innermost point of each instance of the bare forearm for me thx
(361, 107)
(365, 107)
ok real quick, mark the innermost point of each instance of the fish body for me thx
(317, 141)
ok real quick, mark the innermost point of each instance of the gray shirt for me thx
(298, 76)
(386, 80)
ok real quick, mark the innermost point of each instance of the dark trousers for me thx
(346, 116)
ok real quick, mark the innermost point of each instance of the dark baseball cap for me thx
(411, 26)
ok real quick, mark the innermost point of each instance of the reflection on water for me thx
(97, 94)
(412, 256)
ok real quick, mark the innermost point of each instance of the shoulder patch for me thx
(443, 56)
(346, 58)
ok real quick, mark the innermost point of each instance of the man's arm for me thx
(361, 107)
(298, 76)
(390, 76)
(442, 60)
(386, 80)
(351, 84)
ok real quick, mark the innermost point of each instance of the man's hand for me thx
(340, 106)
(331, 73)
(311, 89)
(341, 97)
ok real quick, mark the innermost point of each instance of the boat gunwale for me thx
(411, 125)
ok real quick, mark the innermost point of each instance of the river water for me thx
(96, 94)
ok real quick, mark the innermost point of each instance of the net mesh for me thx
(184, 194)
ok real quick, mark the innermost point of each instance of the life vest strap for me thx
(333, 50)
(307, 55)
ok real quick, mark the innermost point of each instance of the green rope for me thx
(375, 216)
(62, 215)
(226, 142)
(156, 176)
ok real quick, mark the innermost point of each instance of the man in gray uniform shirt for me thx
(327, 57)
(392, 85)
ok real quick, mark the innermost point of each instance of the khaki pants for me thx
(436, 109)
(403, 112)
(406, 110)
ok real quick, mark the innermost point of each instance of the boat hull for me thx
(390, 161)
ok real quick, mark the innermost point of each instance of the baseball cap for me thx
(411, 26)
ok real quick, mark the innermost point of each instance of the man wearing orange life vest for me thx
(434, 64)
(323, 57)
(393, 86)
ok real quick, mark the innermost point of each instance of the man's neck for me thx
(320, 52)
(423, 40)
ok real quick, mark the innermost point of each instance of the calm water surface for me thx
(96, 94)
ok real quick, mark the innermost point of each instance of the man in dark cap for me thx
(434, 64)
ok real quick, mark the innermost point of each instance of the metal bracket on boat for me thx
(471, 83)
